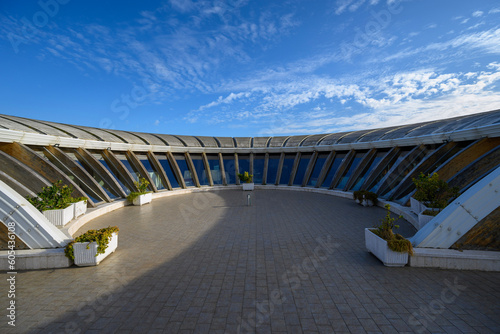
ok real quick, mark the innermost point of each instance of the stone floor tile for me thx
(215, 267)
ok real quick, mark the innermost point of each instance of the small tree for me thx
(433, 192)
(142, 187)
(395, 241)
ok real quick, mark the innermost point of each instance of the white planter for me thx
(86, 256)
(80, 208)
(378, 247)
(424, 219)
(416, 206)
(60, 217)
(248, 186)
(143, 199)
(367, 202)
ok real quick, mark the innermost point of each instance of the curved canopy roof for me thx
(388, 133)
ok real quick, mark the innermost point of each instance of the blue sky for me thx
(248, 68)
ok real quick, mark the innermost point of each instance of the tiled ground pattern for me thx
(293, 262)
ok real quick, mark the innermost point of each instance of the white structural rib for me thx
(461, 215)
(28, 223)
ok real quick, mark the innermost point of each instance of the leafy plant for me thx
(245, 177)
(56, 196)
(102, 237)
(78, 199)
(142, 187)
(433, 192)
(395, 241)
(430, 212)
(361, 195)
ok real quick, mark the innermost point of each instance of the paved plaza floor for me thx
(293, 262)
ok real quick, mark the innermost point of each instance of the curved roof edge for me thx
(465, 127)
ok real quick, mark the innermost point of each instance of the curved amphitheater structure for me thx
(102, 164)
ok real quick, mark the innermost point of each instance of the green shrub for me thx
(245, 177)
(56, 196)
(78, 199)
(430, 213)
(433, 192)
(360, 195)
(142, 187)
(102, 237)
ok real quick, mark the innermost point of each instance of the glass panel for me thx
(395, 161)
(333, 169)
(369, 167)
(318, 165)
(353, 164)
(170, 174)
(287, 168)
(301, 170)
(185, 171)
(135, 174)
(405, 167)
(258, 168)
(229, 168)
(215, 170)
(200, 169)
(71, 176)
(272, 168)
(244, 163)
(117, 177)
(461, 145)
(153, 174)
(96, 176)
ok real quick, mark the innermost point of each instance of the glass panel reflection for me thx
(301, 169)
(215, 170)
(287, 168)
(229, 168)
(200, 169)
(272, 168)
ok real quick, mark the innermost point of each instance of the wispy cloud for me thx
(400, 98)
(486, 41)
(184, 54)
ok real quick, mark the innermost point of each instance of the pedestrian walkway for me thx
(293, 262)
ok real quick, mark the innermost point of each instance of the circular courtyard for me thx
(291, 262)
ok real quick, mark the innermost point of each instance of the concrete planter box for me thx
(80, 208)
(378, 247)
(424, 219)
(143, 199)
(85, 252)
(367, 202)
(416, 206)
(248, 186)
(60, 217)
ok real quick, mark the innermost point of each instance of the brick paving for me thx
(293, 262)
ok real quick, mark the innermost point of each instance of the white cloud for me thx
(488, 41)
(399, 98)
(183, 5)
(227, 100)
(350, 5)
(477, 13)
